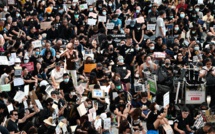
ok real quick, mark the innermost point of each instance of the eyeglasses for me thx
(15, 114)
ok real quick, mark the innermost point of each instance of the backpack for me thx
(161, 75)
(210, 78)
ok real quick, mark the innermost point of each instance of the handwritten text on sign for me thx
(37, 43)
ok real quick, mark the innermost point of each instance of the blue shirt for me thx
(53, 52)
(117, 22)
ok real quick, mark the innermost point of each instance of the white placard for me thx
(200, 2)
(102, 19)
(194, 97)
(4, 60)
(75, 1)
(97, 93)
(13, 56)
(92, 14)
(37, 43)
(82, 109)
(86, 55)
(26, 90)
(83, 6)
(151, 26)
(98, 123)
(114, 95)
(39, 104)
(64, 128)
(10, 108)
(19, 96)
(49, 89)
(90, 117)
(18, 82)
(166, 99)
(73, 128)
(159, 55)
(90, 2)
(110, 26)
(107, 123)
(127, 22)
(25, 104)
(91, 22)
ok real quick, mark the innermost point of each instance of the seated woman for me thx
(124, 127)
(156, 118)
(91, 82)
(136, 122)
(145, 104)
(122, 111)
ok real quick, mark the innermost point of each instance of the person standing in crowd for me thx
(160, 25)
(71, 56)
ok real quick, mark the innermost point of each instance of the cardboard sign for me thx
(159, 55)
(97, 93)
(89, 67)
(82, 109)
(29, 66)
(11, 2)
(4, 60)
(110, 26)
(151, 26)
(83, 6)
(91, 22)
(37, 43)
(140, 20)
(194, 97)
(166, 99)
(102, 19)
(94, 15)
(45, 25)
(5, 88)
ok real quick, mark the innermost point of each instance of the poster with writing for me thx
(110, 26)
(107, 123)
(83, 6)
(4, 60)
(45, 25)
(11, 2)
(5, 88)
(19, 96)
(82, 109)
(102, 19)
(29, 66)
(97, 93)
(151, 26)
(18, 82)
(91, 22)
(166, 99)
(92, 14)
(37, 43)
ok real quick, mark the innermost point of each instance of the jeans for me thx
(74, 76)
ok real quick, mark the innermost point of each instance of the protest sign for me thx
(89, 67)
(166, 99)
(83, 6)
(151, 26)
(29, 66)
(110, 26)
(97, 93)
(45, 25)
(82, 109)
(94, 15)
(102, 19)
(37, 43)
(91, 22)
(4, 60)
(5, 88)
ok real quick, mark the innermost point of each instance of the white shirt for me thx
(160, 23)
(57, 75)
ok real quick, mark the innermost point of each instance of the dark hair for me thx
(144, 94)
(208, 60)
(152, 106)
(65, 74)
(162, 12)
(184, 109)
(11, 112)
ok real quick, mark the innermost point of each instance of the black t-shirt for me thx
(12, 126)
(99, 73)
(181, 123)
(152, 117)
(200, 131)
(212, 24)
(28, 77)
(128, 53)
(66, 87)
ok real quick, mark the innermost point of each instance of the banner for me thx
(29, 66)
(194, 97)
(118, 37)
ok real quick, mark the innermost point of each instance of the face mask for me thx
(157, 107)
(137, 11)
(138, 28)
(176, 28)
(197, 9)
(91, 9)
(137, 48)
(37, 53)
(110, 4)
(190, 9)
(5, 9)
(152, 48)
(76, 16)
(196, 48)
(17, 15)
(100, 6)
(104, 13)
(170, 17)
(182, 15)
(150, 61)
(121, 61)
(167, 64)
(193, 32)
(26, 61)
(66, 80)
(73, 4)
(118, 87)
(58, 56)
(61, 11)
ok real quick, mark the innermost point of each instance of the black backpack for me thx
(210, 79)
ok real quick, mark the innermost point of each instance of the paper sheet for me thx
(19, 96)
(98, 123)
(94, 15)
(4, 60)
(73, 128)
(18, 82)
(37, 43)
(25, 104)
(102, 18)
(10, 108)
(82, 109)
(39, 104)
(110, 26)
(91, 21)
(26, 90)
(83, 6)
(107, 123)
(5, 88)
(90, 117)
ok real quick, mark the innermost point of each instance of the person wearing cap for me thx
(57, 75)
(181, 123)
(46, 126)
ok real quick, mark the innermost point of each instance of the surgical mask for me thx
(76, 16)
(104, 13)
(61, 11)
(170, 17)
(196, 48)
(121, 61)
(26, 61)
(182, 15)
(157, 107)
(89, 106)
(66, 80)
(152, 48)
(91, 9)
(118, 87)
(5, 9)
(17, 15)
(100, 6)
(137, 11)
(193, 32)
(37, 53)
(150, 61)
(197, 9)
(58, 56)
(190, 9)
(74, 4)
(110, 4)
(137, 48)
(176, 28)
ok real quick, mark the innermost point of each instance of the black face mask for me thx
(122, 105)
(167, 64)
(111, 49)
(175, 49)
